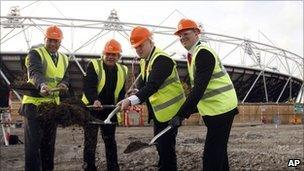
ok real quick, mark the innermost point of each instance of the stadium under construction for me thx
(263, 75)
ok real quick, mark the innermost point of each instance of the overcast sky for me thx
(280, 21)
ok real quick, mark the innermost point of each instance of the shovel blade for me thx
(30, 90)
(97, 122)
(135, 146)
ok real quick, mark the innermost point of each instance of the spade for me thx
(30, 90)
(138, 145)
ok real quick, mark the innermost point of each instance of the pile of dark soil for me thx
(25, 88)
(23, 85)
(69, 112)
(134, 146)
(20, 79)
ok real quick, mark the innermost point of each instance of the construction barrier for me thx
(134, 116)
(6, 119)
(267, 113)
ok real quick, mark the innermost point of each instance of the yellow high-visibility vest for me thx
(170, 96)
(53, 75)
(122, 72)
(220, 95)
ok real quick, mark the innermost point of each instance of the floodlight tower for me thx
(12, 21)
(114, 22)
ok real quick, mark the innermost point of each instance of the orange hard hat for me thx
(139, 35)
(112, 46)
(186, 24)
(53, 32)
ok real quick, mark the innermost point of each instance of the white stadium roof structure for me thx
(260, 72)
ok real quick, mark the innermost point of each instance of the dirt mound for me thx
(69, 112)
(134, 146)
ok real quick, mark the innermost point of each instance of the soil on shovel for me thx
(69, 112)
(25, 86)
(20, 79)
(134, 146)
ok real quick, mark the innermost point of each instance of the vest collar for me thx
(56, 53)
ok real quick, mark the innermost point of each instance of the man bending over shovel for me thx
(161, 90)
(47, 70)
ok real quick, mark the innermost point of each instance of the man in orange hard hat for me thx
(104, 84)
(47, 69)
(162, 91)
(212, 93)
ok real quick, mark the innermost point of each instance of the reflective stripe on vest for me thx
(219, 96)
(53, 75)
(170, 96)
(122, 71)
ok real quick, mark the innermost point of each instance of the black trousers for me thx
(215, 157)
(39, 141)
(166, 147)
(90, 142)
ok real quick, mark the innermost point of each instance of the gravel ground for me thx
(251, 147)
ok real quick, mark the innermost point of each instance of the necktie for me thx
(54, 57)
(189, 58)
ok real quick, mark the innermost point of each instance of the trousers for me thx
(215, 157)
(90, 142)
(165, 146)
(39, 141)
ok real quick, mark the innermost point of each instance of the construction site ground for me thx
(251, 147)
